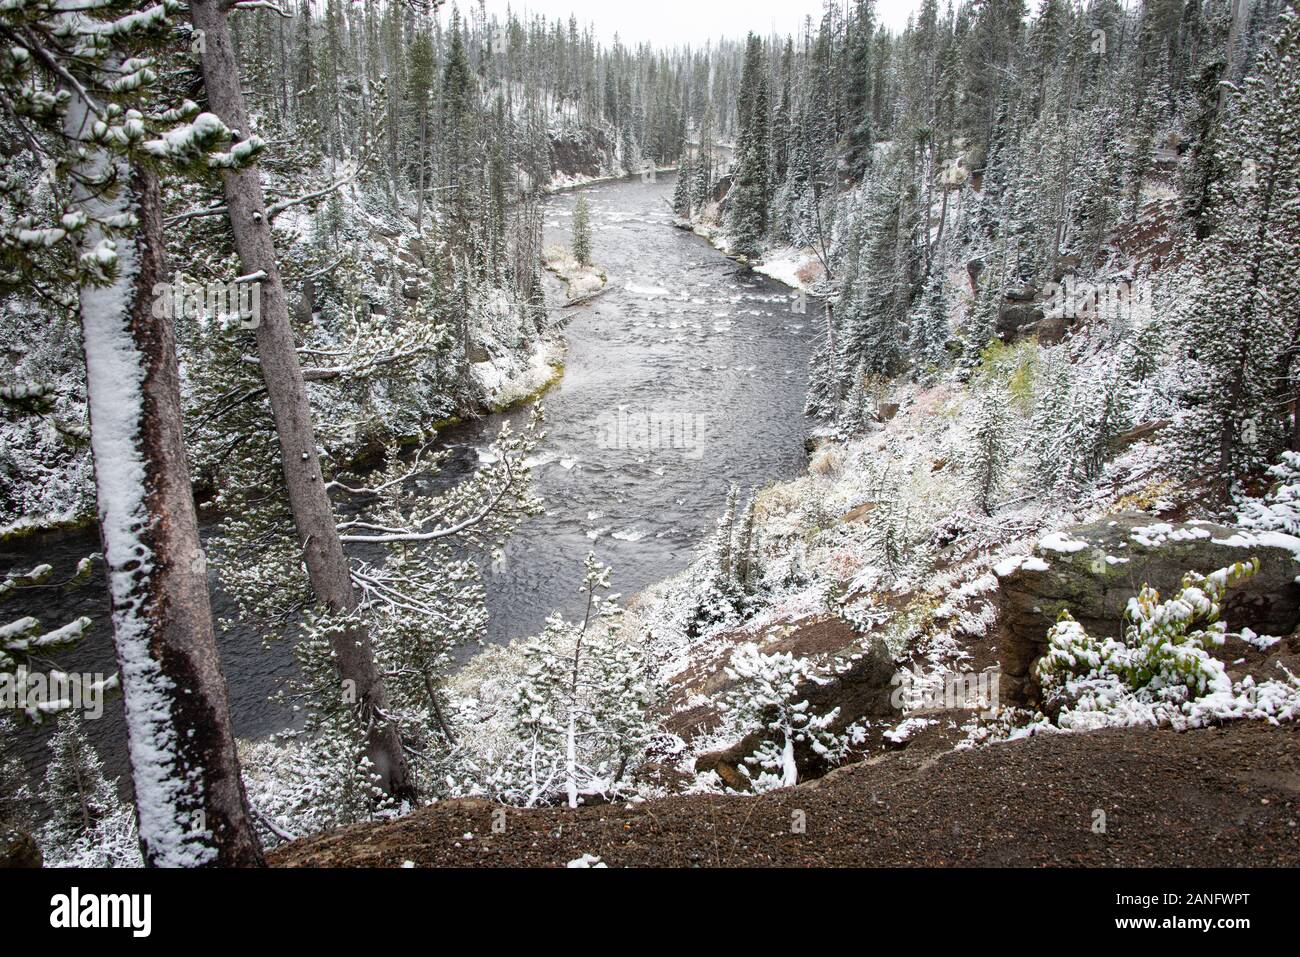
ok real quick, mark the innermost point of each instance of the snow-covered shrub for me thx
(1160, 660)
(763, 697)
(301, 784)
(727, 580)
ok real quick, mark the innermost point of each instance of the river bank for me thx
(678, 334)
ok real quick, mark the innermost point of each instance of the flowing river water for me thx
(707, 360)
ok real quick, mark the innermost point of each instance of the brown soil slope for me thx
(1217, 796)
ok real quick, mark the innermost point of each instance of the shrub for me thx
(1162, 656)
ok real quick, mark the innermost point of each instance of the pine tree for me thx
(682, 191)
(873, 308)
(861, 133)
(1139, 155)
(581, 232)
(750, 196)
(83, 88)
(581, 706)
(990, 448)
(18, 806)
(1242, 329)
(928, 346)
(88, 825)
(1205, 170)
(420, 80)
(763, 698)
(304, 484)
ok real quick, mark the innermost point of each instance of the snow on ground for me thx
(796, 267)
(581, 282)
(515, 377)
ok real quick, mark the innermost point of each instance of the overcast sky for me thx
(669, 22)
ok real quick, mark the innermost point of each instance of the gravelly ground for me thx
(1224, 796)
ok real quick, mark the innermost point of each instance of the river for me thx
(711, 357)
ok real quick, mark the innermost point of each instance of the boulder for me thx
(859, 513)
(1093, 570)
(1049, 330)
(18, 849)
(1014, 316)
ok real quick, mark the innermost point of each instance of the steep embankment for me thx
(1213, 797)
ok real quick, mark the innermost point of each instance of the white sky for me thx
(664, 23)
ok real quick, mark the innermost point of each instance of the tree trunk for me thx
(190, 802)
(837, 396)
(421, 163)
(313, 513)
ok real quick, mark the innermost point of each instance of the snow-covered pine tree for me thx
(1205, 168)
(88, 825)
(682, 191)
(582, 232)
(857, 415)
(747, 217)
(990, 448)
(629, 154)
(285, 382)
(822, 400)
(1051, 441)
(581, 706)
(83, 88)
(716, 592)
(763, 696)
(701, 186)
(980, 328)
(928, 346)
(1139, 153)
(871, 314)
(18, 807)
(858, 118)
(421, 600)
(1240, 314)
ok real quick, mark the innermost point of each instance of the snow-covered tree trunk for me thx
(313, 513)
(789, 769)
(571, 757)
(190, 801)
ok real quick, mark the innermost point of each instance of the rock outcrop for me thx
(1093, 570)
(18, 849)
(581, 154)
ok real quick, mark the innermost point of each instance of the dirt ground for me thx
(1227, 796)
